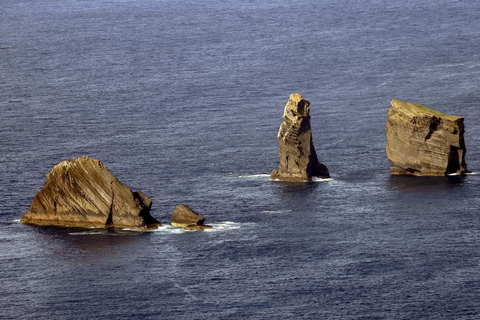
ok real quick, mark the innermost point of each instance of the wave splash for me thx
(268, 177)
(217, 227)
(253, 176)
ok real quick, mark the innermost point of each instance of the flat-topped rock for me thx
(424, 142)
(84, 193)
(298, 159)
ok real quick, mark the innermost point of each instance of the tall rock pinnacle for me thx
(298, 160)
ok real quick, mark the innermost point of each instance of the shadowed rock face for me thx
(424, 142)
(84, 193)
(298, 160)
(185, 217)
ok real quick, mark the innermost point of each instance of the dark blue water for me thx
(183, 100)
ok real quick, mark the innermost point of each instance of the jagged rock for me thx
(84, 193)
(185, 217)
(424, 142)
(298, 160)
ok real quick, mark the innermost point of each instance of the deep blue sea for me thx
(183, 100)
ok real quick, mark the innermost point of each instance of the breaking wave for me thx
(255, 176)
(268, 177)
(217, 227)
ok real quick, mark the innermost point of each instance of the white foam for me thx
(166, 229)
(268, 177)
(255, 176)
(315, 179)
(221, 226)
(276, 211)
(162, 228)
(177, 230)
(132, 229)
(90, 232)
(224, 226)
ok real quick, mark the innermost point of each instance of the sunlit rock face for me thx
(298, 160)
(424, 142)
(84, 193)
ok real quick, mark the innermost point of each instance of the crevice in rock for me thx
(411, 170)
(109, 222)
(434, 122)
(453, 160)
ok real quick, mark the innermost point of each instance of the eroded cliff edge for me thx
(424, 142)
(84, 193)
(298, 159)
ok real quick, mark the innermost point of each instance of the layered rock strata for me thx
(185, 217)
(424, 142)
(84, 193)
(298, 159)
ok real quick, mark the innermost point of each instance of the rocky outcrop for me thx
(424, 142)
(84, 193)
(298, 160)
(185, 217)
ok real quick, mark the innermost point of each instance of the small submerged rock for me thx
(424, 142)
(84, 193)
(185, 217)
(298, 159)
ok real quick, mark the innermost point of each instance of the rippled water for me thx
(183, 101)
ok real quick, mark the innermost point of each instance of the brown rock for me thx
(195, 227)
(298, 159)
(424, 142)
(84, 193)
(185, 217)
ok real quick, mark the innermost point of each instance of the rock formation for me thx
(424, 142)
(84, 193)
(298, 160)
(185, 217)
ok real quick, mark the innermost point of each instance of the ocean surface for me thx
(183, 100)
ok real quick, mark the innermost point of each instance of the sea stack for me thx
(84, 193)
(298, 160)
(424, 142)
(184, 216)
